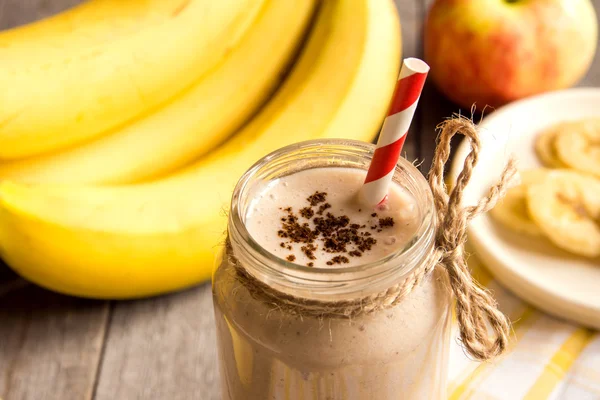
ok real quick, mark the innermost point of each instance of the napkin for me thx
(548, 358)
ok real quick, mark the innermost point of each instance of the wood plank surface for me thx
(592, 78)
(49, 345)
(161, 348)
(410, 16)
(434, 108)
(9, 281)
(18, 12)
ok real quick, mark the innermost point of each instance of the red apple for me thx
(490, 52)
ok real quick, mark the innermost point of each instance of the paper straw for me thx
(394, 130)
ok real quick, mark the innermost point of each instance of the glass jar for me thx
(268, 352)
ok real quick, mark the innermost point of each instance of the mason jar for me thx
(389, 335)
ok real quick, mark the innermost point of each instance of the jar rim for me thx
(273, 268)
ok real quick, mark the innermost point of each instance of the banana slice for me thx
(566, 207)
(545, 149)
(512, 211)
(578, 146)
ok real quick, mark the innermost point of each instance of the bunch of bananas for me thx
(124, 126)
(561, 202)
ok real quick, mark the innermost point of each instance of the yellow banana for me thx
(49, 105)
(512, 210)
(545, 146)
(193, 123)
(91, 23)
(578, 145)
(137, 240)
(566, 206)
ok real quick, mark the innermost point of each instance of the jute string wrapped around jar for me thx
(476, 309)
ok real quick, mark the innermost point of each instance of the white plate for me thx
(553, 280)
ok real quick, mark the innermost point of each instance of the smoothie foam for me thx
(326, 196)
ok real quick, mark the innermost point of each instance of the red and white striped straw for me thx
(394, 130)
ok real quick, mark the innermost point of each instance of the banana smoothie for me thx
(303, 294)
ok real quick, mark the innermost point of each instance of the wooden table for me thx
(63, 348)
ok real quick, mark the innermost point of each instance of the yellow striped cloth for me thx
(548, 358)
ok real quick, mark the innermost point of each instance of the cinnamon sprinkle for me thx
(307, 212)
(316, 198)
(337, 234)
(386, 222)
(323, 207)
(338, 260)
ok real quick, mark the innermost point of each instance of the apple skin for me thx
(491, 52)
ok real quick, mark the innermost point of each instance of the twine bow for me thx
(476, 309)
